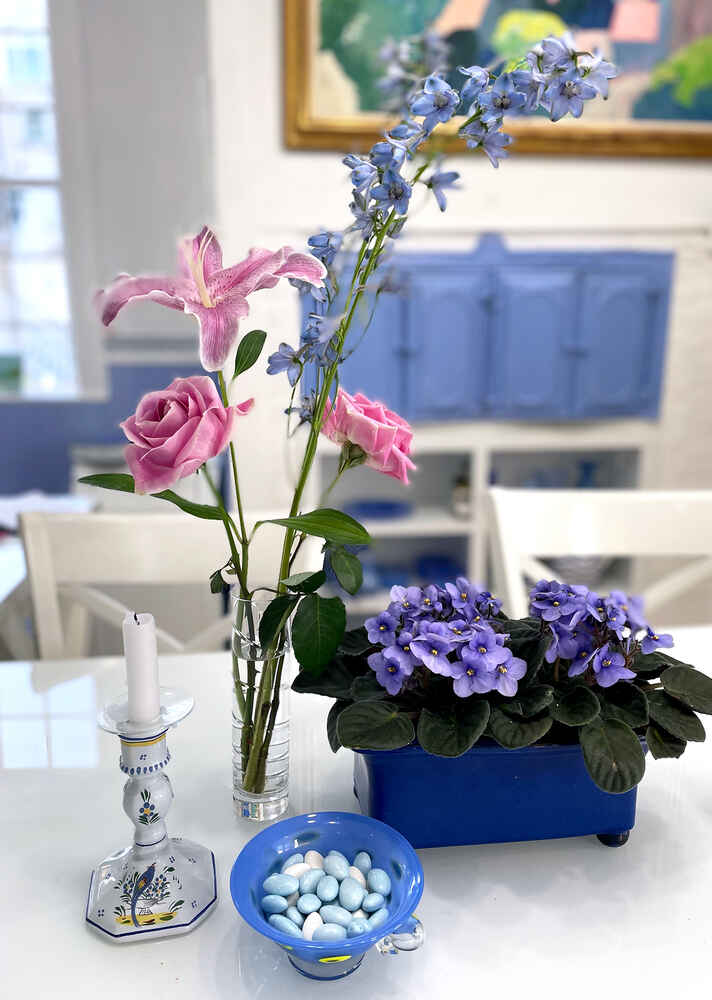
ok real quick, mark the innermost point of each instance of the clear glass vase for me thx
(260, 714)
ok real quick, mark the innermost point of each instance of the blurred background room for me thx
(550, 332)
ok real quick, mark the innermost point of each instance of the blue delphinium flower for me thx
(285, 359)
(325, 246)
(386, 154)
(531, 85)
(495, 145)
(557, 53)
(653, 641)
(477, 79)
(393, 191)
(566, 95)
(609, 667)
(432, 645)
(597, 72)
(363, 172)
(502, 98)
(439, 181)
(436, 102)
(390, 672)
(365, 215)
(382, 628)
(304, 288)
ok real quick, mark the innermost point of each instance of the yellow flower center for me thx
(482, 649)
(434, 652)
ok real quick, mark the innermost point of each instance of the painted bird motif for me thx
(142, 884)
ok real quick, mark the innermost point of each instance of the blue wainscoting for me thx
(35, 437)
(518, 335)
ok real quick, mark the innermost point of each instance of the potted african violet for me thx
(470, 727)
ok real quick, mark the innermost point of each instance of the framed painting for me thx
(660, 104)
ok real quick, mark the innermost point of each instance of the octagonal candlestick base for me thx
(160, 885)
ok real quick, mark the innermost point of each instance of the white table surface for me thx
(555, 919)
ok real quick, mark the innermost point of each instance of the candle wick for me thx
(136, 619)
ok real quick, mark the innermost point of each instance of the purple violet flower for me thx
(653, 641)
(609, 667)
(507, 673)
(484, 650)
(432, 645)
(405, 600)
(390, 672)
(382, 628)
(472, 678)
(460, 630)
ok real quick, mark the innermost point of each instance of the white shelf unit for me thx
(479, 446)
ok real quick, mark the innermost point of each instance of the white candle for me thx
(141, 667)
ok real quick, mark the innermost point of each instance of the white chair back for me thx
(70, 556)
(531, 524)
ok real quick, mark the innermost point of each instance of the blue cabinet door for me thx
(531, 359)
(622, 332)
(448, 319)
(374, 352)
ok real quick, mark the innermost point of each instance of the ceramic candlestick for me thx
(160, 885)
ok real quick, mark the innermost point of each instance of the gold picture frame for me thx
(357, 132)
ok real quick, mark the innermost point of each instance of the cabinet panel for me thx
(375, 367)
(448, 320)
(621, 333)
(531, 357)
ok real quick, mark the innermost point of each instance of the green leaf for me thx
(331, 721)
(689, 685)
(347, 569)
(275, 617)
(124, 483)
(216, 582)
(305, 583)
(613, 755)
(367, 688)
(653, 664)
(356, 642)
(663, 744)
(624, 702)
(374, 725)
(677, 718)
(521, 628)
(576, 707)
(334, 681)
(317, 630)
(513, 733)
(530, 701)
(452, 733)
(249, 351)
(333, 525)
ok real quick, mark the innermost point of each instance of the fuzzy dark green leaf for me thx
(624, 702)
(317, 630)
(690, 686)
(653, 664)
(520, 628)
(529, 701)
(532, 650)
(613, 755)
(347, 569)
(334, 681)
(374, 725)
(453, 732)
(275, 617)
(663, 744)
(248, 351)
(333, 525)
(677, 718)
(123, 483)
(513, 733)
(331, 720)
(305, 583)
(356, 642)
(367, 688)
(576, 707)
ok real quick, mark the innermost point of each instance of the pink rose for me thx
(175, 430)
(383, 435)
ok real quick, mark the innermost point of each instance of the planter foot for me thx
(614, 839)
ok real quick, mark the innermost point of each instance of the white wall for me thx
(268, 195)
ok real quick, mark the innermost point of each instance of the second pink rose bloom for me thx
(382, 435)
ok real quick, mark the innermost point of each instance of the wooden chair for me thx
(531, 524)
(70, 556)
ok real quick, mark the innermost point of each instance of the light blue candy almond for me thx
(332, 914)
(337, 866)
(327, 888)
(280, 885)
(285, 925)
(274, 904)
(293, 859)
(362, 861)
(308, 903)
(357, 927)
(329, 932)
(351, 893)
(338, 854)
(372, 902)
(310, 880)
(378, 918)
(378, 881)
(293, 914)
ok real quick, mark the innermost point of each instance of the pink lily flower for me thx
(215, 295)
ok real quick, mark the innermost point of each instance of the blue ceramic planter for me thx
(348, 833)
(489, 795)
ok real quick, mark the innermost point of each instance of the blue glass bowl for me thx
(348, 833)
